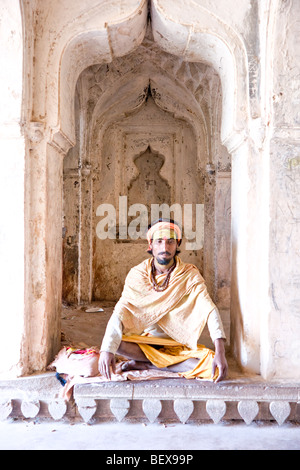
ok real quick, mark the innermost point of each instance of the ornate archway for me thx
(207, 40)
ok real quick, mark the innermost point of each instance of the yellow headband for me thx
(164, 234)
(172, 229)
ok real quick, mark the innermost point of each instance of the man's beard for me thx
(164, 261)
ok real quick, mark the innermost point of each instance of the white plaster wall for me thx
(12, 153)
(284, 263)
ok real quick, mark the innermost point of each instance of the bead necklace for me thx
(164, 285)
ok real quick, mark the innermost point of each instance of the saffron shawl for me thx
(181, 310)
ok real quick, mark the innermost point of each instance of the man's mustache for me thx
(164, 253)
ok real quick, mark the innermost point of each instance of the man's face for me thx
(164, 249)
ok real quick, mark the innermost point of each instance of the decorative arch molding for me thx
(181, 104)
(126, 97)
(91, 44)
(208, 39)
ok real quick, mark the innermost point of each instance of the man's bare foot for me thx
(132, 365)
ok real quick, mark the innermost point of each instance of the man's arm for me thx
(218, 337)
(219, 360)
(110, 344)
(107, 362)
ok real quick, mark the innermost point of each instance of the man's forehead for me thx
(164, 234)
(164, 238)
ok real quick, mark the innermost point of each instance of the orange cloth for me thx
(181, 310)
(171, 352)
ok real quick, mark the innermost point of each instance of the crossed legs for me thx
(139, 361)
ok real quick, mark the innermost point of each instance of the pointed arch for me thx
(206, 38)
(83, 44)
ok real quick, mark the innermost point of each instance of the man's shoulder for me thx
(187, 266)
(191, 270)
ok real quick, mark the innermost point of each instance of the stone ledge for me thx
(164, 400)
(166, 389)
(182, 400)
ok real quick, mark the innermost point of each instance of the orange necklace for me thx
(164, 285)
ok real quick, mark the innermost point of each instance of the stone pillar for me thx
(284, 263)
(246, 266)
(222, 249)
(12, 153)
(43, 284)
(280, 337)
(85, 238)
(12, 248)
(35, 227)
(209, 229)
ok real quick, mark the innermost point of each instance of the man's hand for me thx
(106, 361)
(219, 360)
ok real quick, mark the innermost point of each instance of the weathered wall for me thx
(147, 177)
(140, 150)
(284, 254)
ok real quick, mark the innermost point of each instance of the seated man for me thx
(161, 314)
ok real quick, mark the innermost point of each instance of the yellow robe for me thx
(181, 310)
(170, 352)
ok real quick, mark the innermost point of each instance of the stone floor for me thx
(46, 435)
(81, 328)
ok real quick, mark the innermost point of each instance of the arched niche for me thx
(210, 42)
(148, 185)
(124, 100)
(204, 37)
(100, 34)
(104, 179)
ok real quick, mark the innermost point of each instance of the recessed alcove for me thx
(149, 187)
(147, 132)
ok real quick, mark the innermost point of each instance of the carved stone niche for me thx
(149, 187)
